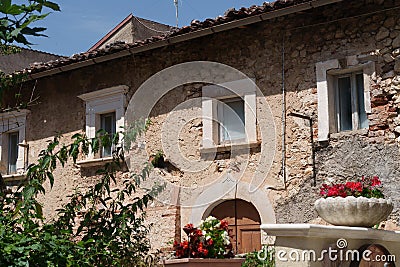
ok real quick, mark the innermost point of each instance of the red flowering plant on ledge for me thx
(209, 240)
(369, 187)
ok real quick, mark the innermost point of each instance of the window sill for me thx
(93, 162)
(229, 147)
(335, 136)
(14, 177)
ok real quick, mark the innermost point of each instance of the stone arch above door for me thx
(257, 197)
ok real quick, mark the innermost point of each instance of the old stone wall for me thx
(294, 44)
(369, 152)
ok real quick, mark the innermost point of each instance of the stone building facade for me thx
(335, 62)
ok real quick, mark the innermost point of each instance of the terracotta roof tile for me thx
(230, 15)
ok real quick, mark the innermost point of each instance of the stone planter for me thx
(352, 211)
(203, 263)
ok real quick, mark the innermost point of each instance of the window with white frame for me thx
(229, 113)
(343, 96)
(12, 142)
(104, 110)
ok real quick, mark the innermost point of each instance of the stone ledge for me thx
(323, 231)
(339, 135)
(93, 162)
(14, 177)
(229, 147)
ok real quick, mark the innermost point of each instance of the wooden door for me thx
(244, 224)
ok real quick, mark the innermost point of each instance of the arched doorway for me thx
(244, 224)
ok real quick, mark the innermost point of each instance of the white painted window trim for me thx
(212, 94)
(103, 101)
(14, 121)
(326, 73)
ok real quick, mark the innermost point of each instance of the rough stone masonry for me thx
(351, 32)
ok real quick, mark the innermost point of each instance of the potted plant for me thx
(206, 245)
(354, 203)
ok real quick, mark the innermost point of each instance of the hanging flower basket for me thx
(360, 203)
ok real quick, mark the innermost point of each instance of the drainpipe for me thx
(178, 216)
(236, 225)
(283, 113)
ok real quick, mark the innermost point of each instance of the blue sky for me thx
(81, 23)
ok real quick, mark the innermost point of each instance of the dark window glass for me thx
(232, 121)
(13, 140)
(108, 124)
(345, 114)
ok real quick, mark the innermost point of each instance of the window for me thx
(104, 110)
(231, 120)
(108, 125)
(343, 95)
(229, 114)
(12, 143)
(350, 109)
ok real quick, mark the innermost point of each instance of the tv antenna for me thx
(177, 12)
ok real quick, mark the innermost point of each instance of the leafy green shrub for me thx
(16, 19)
(262, 258)
(83, 234)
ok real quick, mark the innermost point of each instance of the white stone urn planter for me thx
(354, 211)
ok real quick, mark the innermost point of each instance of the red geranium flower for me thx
(206, 241)
(188, 228)
(198, 233)
(224, 225)
(354, 186)
(185, 244)
(365, 187)
(375, 181)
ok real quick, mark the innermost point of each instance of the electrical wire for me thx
(192, 8)
(283, 111)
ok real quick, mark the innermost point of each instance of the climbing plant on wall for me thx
(100, 226)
